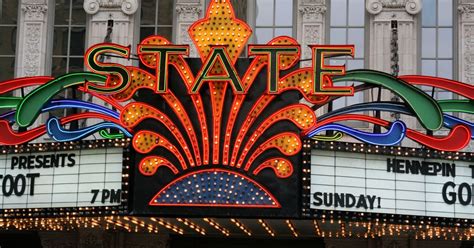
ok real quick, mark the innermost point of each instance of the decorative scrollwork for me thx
(91, 6)
(376, 6)
(129, 7)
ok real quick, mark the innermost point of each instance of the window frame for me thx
(157, 26)
(455, 46)
(14, 46)
(366, 53)
(252, 20)
(69, 27)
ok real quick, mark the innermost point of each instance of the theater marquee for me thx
(370, 183)
(222, 134)
(74, 178)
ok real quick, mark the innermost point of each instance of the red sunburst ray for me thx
(287, 143)
(145, 141)
(299, 114)
(134, 113)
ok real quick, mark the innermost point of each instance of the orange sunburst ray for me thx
(219, 27)
(300, 115)
(134, 113)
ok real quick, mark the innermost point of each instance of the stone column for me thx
(466, 48)
(122, 12)
(33, 24)
(310, 30)
(124, 31)
(382, 12)
(187, 12)
(311, 26)
(33, 43)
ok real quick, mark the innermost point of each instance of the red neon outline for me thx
(207, 18)
(326, 79)
(459, 88)
(107, 65)
(247, 81)
(217, 80)
(277, 204)
(9, 137)
(141, 56)
(217, 107)
(315, 99)
(128, 93)
(268, 164)
(188, 78)
(106, 99)
(165, 143)
(17, 83)
(166, 62)
(249, 120)
(458, 138)
(275, 42)
(266, 146)
(215, 92)
(160, 117)
(166, 163)
(267, 123)
(279, 57)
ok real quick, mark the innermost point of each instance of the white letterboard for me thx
(351, 176)
(76, 178)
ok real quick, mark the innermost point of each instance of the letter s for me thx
(109, 69)
(317, 199)
(71, 159)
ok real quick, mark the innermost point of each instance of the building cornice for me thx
(128, 7)
(412, 7)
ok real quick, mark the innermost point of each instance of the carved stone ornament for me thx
(188, 13)
(468, 53)
(411, 6)
(128, 7)
(32, 54)
(466, 10)
(34, 11)
(312, 12)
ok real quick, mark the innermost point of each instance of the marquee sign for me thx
(225, 131)
(370, 183)
(72, 178)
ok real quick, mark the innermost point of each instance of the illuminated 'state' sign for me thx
(392, 185)
(76, 178)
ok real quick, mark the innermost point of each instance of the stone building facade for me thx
(35, 31)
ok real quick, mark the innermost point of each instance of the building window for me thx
(69, 47)
(437, 45)
(157, 18)
(273, 18)
(8, 29)
(347, 26)
(69, 37)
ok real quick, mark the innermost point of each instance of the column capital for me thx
(188, 13)
(34, 10)
(312, 12)
(412, 7)
(466, 12)
(128, 7)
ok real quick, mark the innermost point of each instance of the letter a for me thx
(218, 58)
